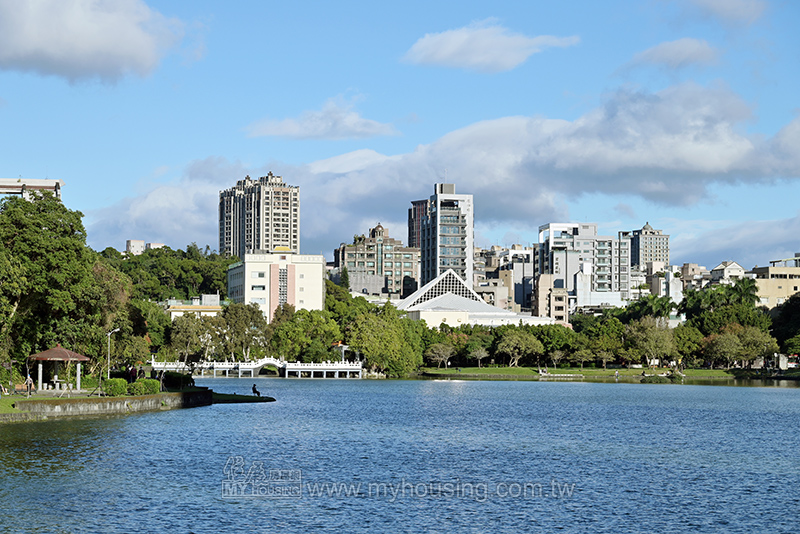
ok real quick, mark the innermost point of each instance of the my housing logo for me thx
(256, 481)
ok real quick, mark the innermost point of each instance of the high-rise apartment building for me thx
(649, 245)
(382, 256)
(575, 259)
(261, 214)
(447, 234)
(417, 212)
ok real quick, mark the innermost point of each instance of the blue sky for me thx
(683, 113)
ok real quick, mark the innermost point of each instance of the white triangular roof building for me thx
(448, 299)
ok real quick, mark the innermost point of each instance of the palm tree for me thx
(745, 291)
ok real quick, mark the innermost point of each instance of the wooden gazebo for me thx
(59, 354)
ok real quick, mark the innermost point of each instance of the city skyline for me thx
(680, 113)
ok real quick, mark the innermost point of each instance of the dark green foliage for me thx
(162, 273)
(137, 388)
(115, 387)
(53, 288)
(344, 279)
(175, 380)
(151, 387)
(713, 308)
(787, 321)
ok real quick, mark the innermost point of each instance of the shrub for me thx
(136, 388)
(151, 387)
(116, 387)
(176, 380)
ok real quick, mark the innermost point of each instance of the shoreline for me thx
(569, 377)
(47, 409)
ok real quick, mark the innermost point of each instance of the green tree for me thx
(245, 325)
(186, 336)
(787, 320)
(440, 353)
(518, 344)
(688, 340)
(344, 279)
(478, 354)
(724, 347)
(293, 339)
(49, 292)
(381, 340)
(756, 344)
(649, 340)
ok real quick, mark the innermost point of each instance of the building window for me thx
(258, 288)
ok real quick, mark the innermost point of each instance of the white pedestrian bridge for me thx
(342, 369)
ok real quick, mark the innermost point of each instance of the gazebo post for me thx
(40, 377)
(78, 381)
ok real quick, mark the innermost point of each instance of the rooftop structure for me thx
(24, 186)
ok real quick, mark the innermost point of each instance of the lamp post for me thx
(108, 369)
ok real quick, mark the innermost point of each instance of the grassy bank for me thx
(587, 372)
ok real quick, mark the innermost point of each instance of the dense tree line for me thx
(162, 273)
(55, 289)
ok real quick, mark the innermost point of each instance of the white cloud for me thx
(734, 11)
(84, 39)
(176, 213)
(336, 120)
(483, 47)
(669, 147)
(677, 54)
(748, 243)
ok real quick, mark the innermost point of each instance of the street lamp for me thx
(108, 369)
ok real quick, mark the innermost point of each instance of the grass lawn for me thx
(527, 371)
(7, 401)
(586, 371)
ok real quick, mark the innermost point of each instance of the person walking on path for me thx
(29, 384)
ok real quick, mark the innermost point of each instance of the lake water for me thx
(418, 456)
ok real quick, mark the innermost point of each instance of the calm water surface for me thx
(419, 456)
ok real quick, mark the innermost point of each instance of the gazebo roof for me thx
(59, 354)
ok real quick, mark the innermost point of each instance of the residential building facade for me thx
(447, 234)
(567, 249)
(262, 214)
(271, 279)
(380, 258)
(777, 283)
(417, 212)
(648, 245)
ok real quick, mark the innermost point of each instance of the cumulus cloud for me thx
(483, 46)
(84, 39)
(336, 120)
(748, 243)
(669, 147)
(731, 11)
(677, 54)
(176, 213)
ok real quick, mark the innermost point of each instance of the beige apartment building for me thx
(271, 279)
(776, 284)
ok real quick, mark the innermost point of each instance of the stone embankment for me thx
(41, 409)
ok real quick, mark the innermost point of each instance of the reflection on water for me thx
(640, 459)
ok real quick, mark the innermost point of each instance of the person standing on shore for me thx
(28, 384)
